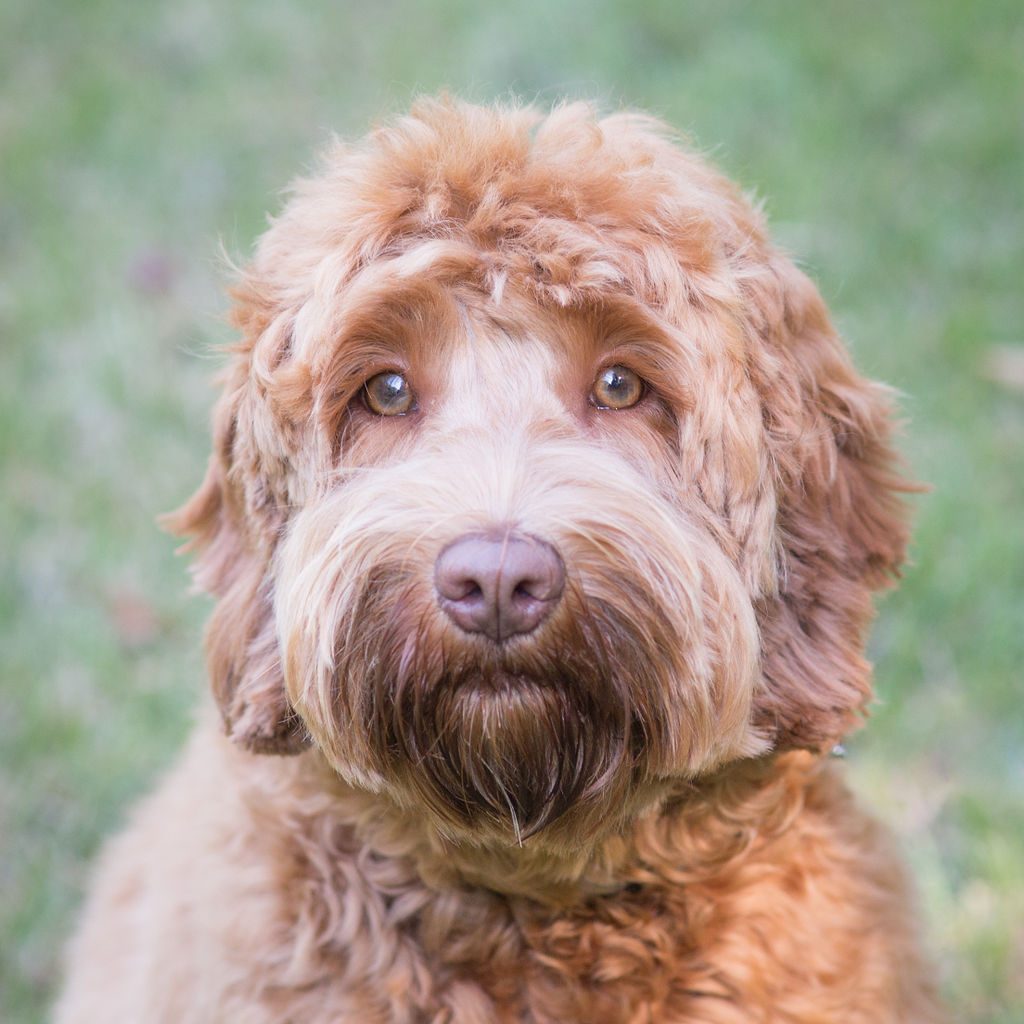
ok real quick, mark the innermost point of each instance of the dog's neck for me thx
(686, 832)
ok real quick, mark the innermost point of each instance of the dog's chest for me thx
(475, 956)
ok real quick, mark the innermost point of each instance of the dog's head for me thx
(540, 477)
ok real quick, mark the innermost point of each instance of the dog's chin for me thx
(501, 752)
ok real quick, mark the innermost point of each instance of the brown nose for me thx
(500, 585)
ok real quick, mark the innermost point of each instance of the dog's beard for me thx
(642, 674)
(507, 737)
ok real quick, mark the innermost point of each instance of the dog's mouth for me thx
(499, 739)
(504, 748)
(504, 737)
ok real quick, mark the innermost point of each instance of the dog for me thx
(543, 520)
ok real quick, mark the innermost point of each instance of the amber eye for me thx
(388, 394)
(617, 387)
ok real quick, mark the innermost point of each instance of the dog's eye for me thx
(388, 394)
(617, 387)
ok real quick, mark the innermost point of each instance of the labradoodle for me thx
(543, 519)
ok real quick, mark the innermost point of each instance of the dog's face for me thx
(541, 479)
(506, 598)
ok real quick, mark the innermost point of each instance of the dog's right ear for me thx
(233, 557)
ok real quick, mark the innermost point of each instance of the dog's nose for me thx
(500, 585)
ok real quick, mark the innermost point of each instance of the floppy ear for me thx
(233, 564)
(842, 525)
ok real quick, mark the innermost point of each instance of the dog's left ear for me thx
(842, 524)
(233, 556)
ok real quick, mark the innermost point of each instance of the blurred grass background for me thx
(887, 140)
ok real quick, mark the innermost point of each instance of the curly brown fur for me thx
(624, 814)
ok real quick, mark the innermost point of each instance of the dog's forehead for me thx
(448, 330)
(469, 347)
(496, 358)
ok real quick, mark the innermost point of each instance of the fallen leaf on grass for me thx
(1004, 364)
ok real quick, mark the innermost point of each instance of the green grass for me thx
(887, 140)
